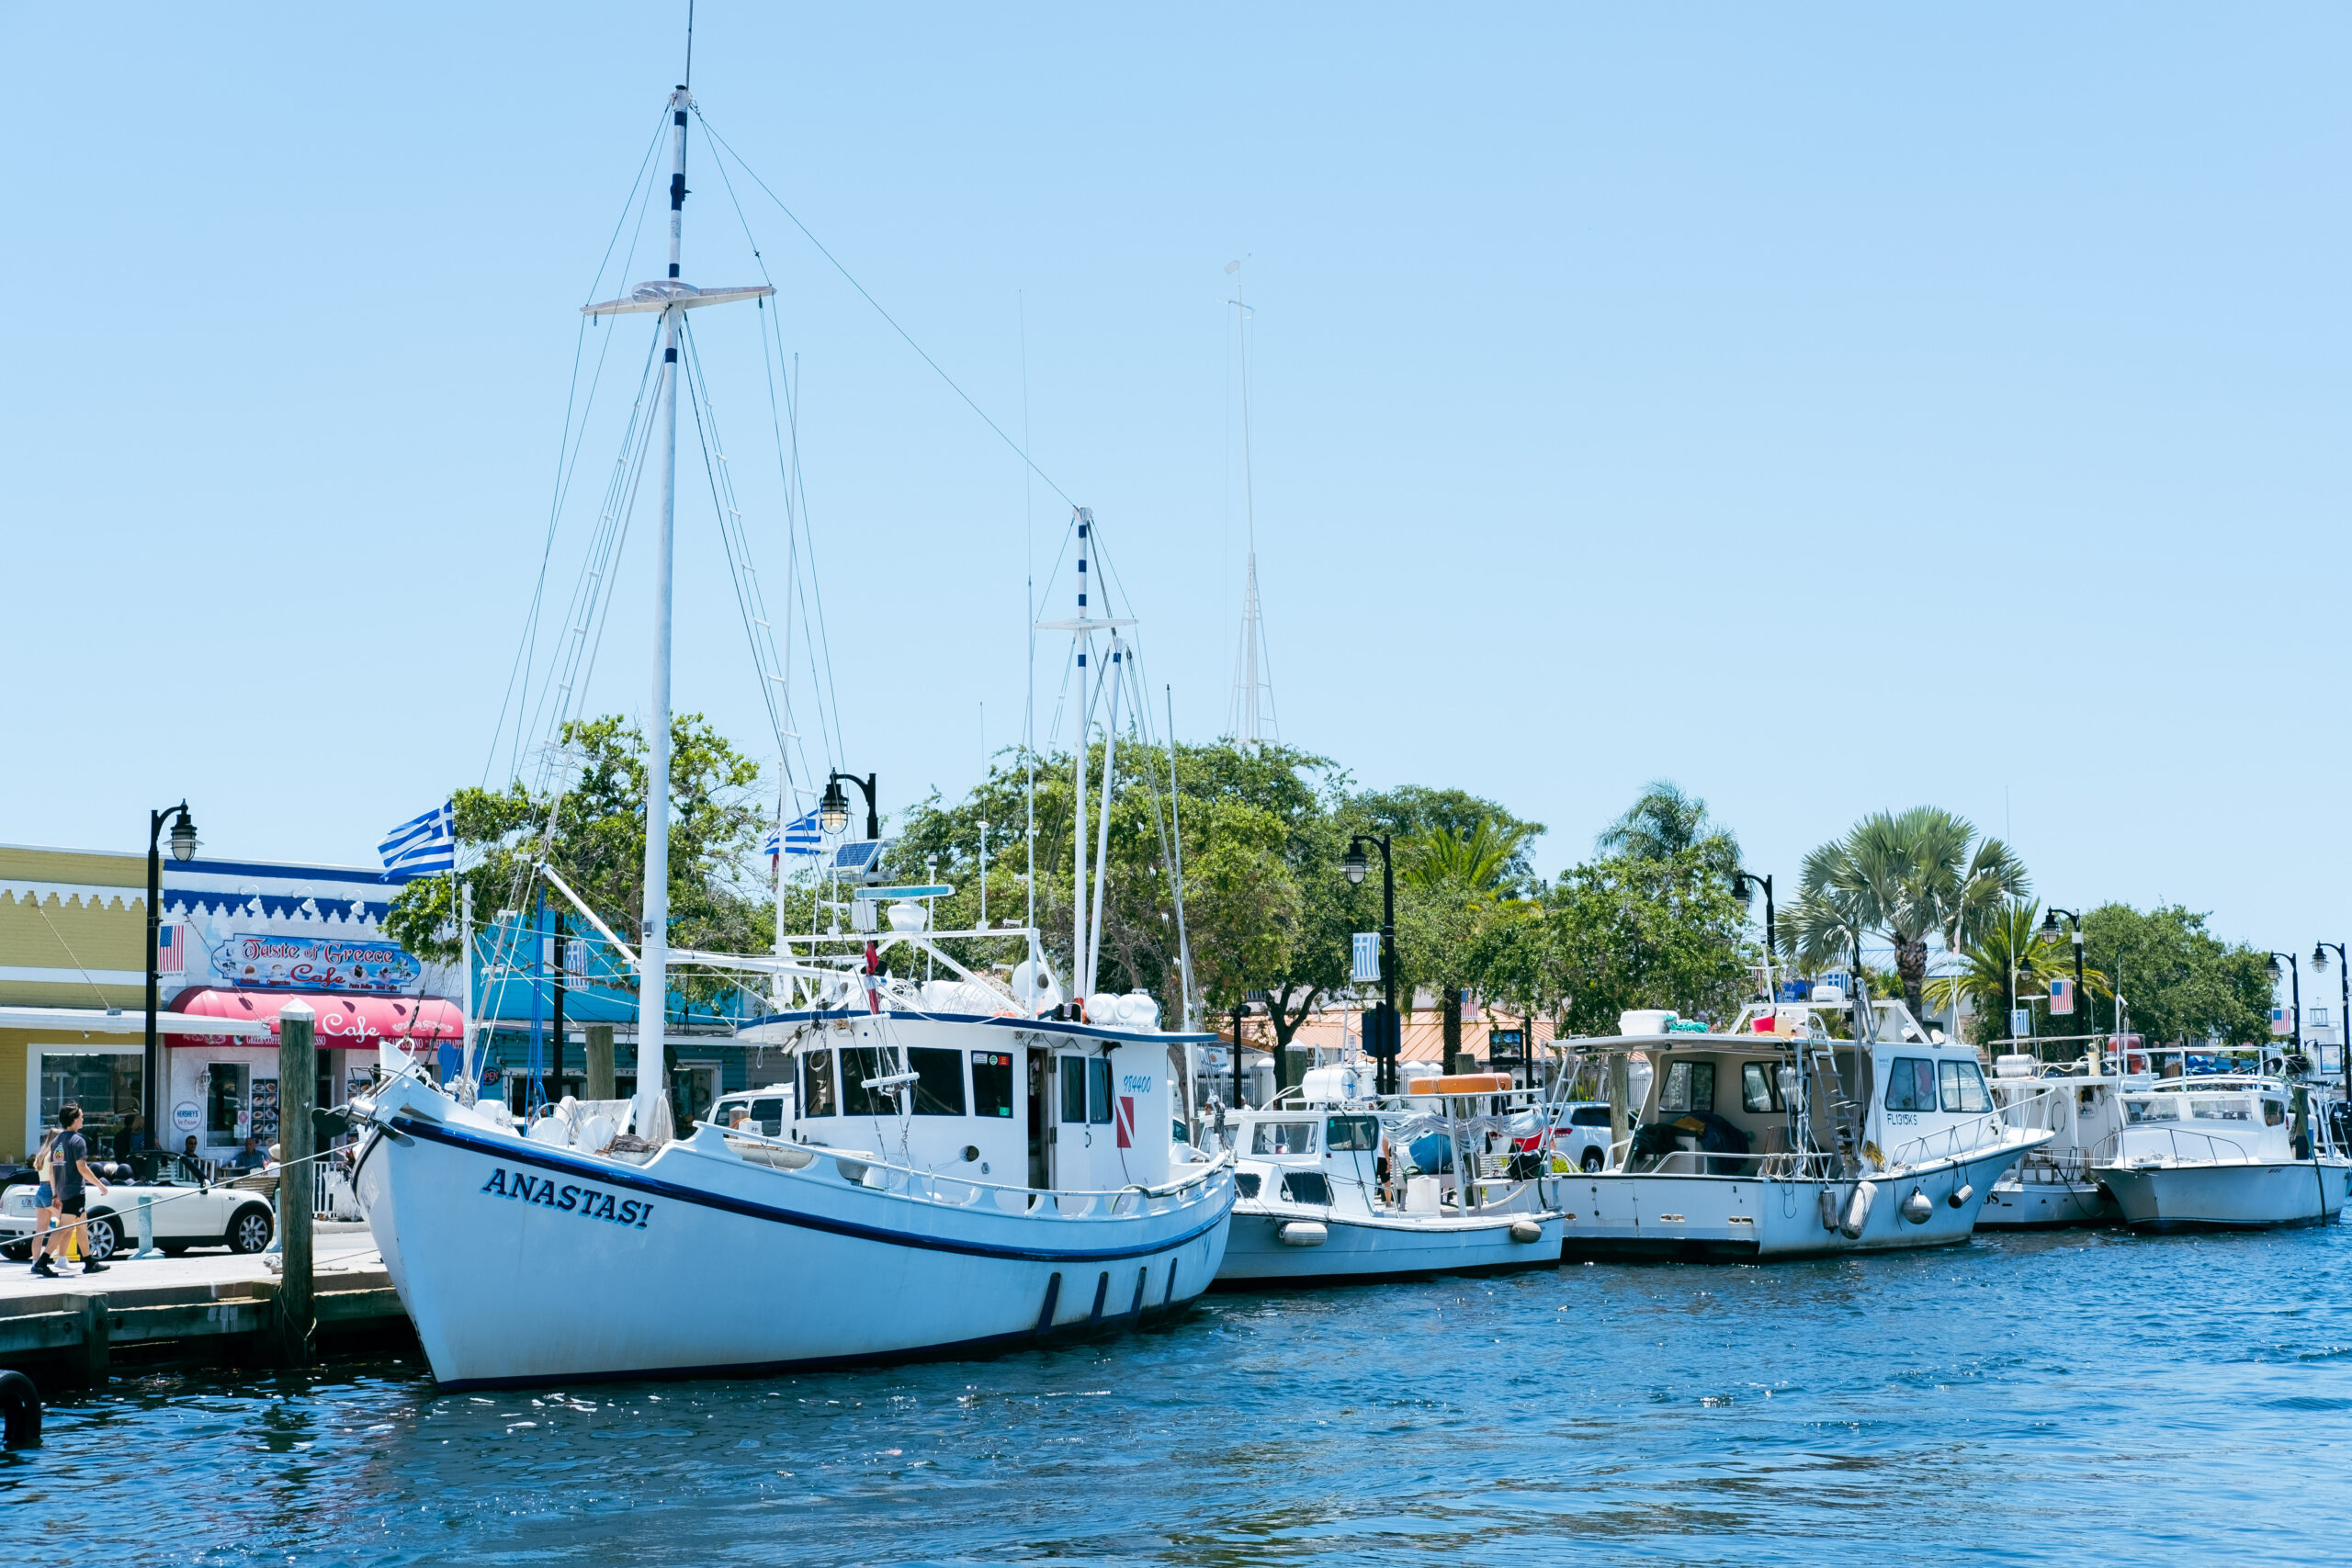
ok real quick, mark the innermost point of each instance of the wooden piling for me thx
(600, 1062)
(93, 1353)
(297, 1068)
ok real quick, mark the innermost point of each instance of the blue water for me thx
(2074, 1397)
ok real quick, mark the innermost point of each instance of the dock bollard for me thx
(146, 1226)
(21, 1406)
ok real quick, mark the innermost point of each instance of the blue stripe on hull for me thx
(517, 1152)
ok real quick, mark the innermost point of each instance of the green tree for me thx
(2011, 955)
(1667, 822)
(595, 838)
(2178, 981)
(1456, 896)
(1627, 931)
(1921, 873)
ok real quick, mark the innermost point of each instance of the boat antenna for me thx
(1253, 686)
(690, 47)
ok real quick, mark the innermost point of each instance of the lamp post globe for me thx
(832, 812)
(2319, 958)
(1354, 865)
(184, 837)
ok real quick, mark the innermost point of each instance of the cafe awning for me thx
(345, 1022)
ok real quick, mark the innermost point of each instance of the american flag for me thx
(801, 837)
(423, 844)
(170, 949)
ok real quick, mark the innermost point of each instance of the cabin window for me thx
(861, 1065)
(1282, 1138)
(1963, 1086)
(1306, 1187)
(1245, 1183)
(817, 1084)
(991, 1084)
(769, 1114)
(939, 1091)
(1073, 1076)
(1911, 1084)
(1759, 1092)
(2274, 1112)
(1689, 1086)
(1098, 1090)
(2163, 1108)
(1350, 1135)
(2208, 1109)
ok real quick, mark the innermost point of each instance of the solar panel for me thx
(862, 859)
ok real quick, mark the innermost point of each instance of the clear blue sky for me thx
(1828, 410)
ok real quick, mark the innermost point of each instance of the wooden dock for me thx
(220, 1309)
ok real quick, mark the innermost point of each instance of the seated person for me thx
(250, 1157)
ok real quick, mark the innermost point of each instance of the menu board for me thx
(264, 1112)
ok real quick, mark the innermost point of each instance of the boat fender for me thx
(20, 1401)
(1858, 1211)
(1302, 1232)
(1526, 1230)
(1919, 1208)
(1829, 1208)
(1961, 1195)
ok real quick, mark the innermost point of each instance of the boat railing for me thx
(1960, 1138)
(1813, 1164)
(859, 1169)
(2205, 1148)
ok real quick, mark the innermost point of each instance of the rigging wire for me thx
(753, 174)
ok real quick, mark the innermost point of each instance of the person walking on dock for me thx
(44, 1203)
(70, 1173)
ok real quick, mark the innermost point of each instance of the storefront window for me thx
(224, 1101)
(106, 1086)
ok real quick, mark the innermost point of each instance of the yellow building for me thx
(73, 992)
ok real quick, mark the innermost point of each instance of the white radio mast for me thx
(1252, 718)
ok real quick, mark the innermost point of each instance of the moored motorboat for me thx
(2225, 1152)
(1329, 1190)
(2053, 1186)
(1776, 1138)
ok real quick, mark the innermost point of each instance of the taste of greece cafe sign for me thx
(275, 962)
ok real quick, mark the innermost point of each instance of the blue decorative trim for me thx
(518, 1152)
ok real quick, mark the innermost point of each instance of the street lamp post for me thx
(183, 850)
(1355, 865)
(832, 811)
(1743, 889)
(2295, 968)
(2074, 924)
(2343, 1017)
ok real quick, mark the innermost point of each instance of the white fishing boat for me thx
(2054, 1187)
(1329, 1192)
(2226, 1152)
(963, 1164)
(1775, 1138)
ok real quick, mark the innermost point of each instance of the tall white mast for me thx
(671, 298)
(1083, 626)
(1250, 682)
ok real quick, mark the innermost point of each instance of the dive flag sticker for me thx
(1126, 1121)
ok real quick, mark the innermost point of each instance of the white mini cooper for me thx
(187, 1210)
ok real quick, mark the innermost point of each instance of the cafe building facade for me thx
(237, 941)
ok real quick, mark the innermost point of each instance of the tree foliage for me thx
(2178, 981)
(1667, 822)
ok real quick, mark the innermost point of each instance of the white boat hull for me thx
(2014, 1205)
(1357, 1248)
(521, 1263)
(2232, 1196)
(1694, 1217)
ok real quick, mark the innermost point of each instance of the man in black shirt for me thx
(70, 1175)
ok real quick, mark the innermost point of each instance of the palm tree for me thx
(2011, 956)
(1460, 880)
(1907, 877)
(1666, 822)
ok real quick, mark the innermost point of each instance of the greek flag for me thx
(801, 837)
(423, 844)
(1367, 958)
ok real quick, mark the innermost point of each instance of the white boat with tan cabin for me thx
(1778, 1137)
(1329, 1192)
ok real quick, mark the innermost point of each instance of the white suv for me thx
(187, 1210)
